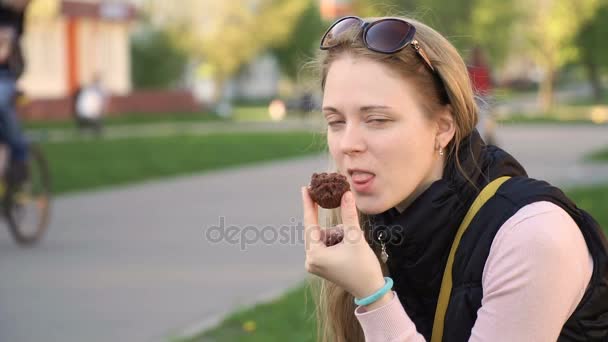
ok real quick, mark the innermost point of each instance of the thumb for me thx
(348, 212)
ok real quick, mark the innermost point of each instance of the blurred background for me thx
(171, 139)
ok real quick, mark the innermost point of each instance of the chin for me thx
(370, 208)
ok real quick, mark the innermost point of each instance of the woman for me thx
(527, 266)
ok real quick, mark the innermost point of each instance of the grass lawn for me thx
(85, 164)
(255, 112)
(593, 199)
(525, 119)
(598, 156)
(518, 119)
(251, 113)
(128, 118)
(591, 101)
(245, 113)
(291, 318)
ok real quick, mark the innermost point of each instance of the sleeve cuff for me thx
(387, 323)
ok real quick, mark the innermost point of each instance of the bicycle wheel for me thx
(27, 209)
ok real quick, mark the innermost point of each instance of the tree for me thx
(550, 27)
(226, 34)
(465, 23)
(303, 42)
(593, 49)
(544, 29)
(157, 63)
(491, 25)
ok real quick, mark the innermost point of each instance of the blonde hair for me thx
(450, 84)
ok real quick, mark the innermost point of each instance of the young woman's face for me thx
(378, 134)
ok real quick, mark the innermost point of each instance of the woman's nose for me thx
(352, 139)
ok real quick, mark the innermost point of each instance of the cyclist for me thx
(11, 67)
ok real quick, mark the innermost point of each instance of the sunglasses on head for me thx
(388, 35)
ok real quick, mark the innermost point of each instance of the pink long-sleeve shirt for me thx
(536, 274)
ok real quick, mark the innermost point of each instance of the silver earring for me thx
(441, 151)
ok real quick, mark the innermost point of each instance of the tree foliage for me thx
(591, 40)
(303, 42)
(592, 37)
(465, 23)
(551, 27)
(227, 34)
(156, 62)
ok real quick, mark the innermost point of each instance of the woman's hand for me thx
(351, 264)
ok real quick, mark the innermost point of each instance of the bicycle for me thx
(26, 206)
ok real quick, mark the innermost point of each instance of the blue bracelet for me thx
(388, 285)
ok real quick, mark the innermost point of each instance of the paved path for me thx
(554, 152)
(133, 263)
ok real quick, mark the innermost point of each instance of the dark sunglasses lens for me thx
(388, 35)
(337, 30)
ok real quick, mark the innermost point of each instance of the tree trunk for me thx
(546, 90)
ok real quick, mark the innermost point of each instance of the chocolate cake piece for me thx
(326, 189)
(332, 236)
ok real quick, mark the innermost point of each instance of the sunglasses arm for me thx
(422, 54)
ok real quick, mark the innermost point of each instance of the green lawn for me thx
(561, 117)
(250, 112)
(255, 112)
(291, 318)
(598, 156)
(591, 101)
(525, 119)
(127, 118)
(93, 163)
(594, 199)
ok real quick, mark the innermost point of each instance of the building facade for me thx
(69, 43)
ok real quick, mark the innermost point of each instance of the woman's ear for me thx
(446, 127)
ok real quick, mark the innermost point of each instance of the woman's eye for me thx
(378, 121)
(335, 123)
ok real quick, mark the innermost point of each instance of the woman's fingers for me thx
(350, 217)
(312, 231)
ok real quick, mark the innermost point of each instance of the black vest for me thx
(589, 322)
(418, 241)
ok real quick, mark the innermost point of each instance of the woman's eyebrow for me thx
(372, 108)
(361, 109)
(364, 109)
(330, 109)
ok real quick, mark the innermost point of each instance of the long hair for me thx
(451, 85)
